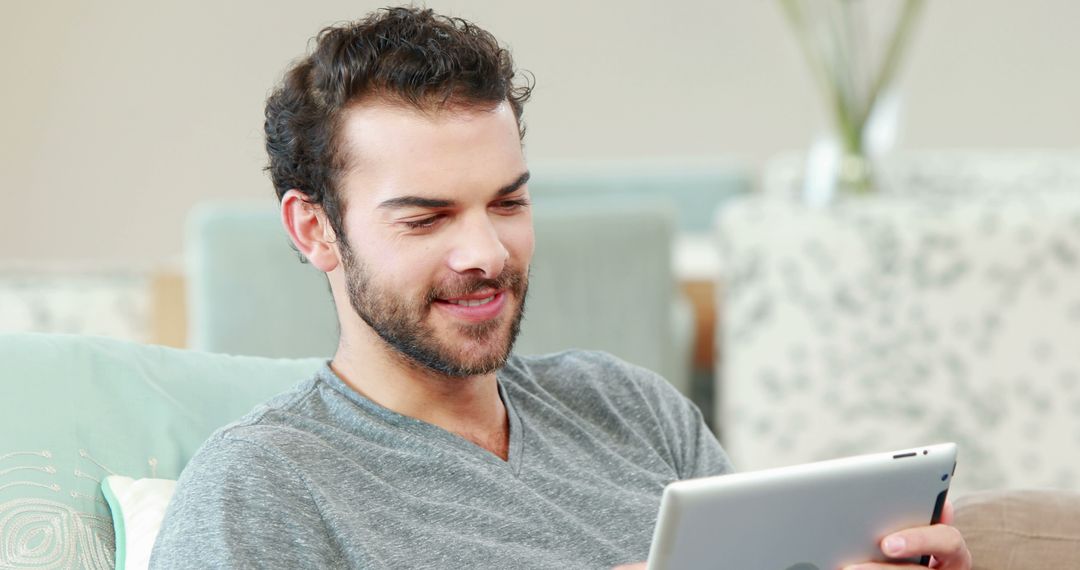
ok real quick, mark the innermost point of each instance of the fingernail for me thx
(894, 545)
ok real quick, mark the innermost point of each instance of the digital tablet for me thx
(806, 517)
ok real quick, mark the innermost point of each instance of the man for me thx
(395, 149)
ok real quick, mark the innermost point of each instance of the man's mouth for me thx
(475, 308)
(471, 302)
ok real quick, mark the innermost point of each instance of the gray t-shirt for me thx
(321, 477)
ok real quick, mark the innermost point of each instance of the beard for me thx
(480, 348)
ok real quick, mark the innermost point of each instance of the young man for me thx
(395, 149)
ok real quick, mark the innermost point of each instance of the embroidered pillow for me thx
(76, 409)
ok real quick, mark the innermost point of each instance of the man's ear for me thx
(310, 231)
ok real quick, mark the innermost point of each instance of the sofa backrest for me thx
(74, 409)
(694, 189)
(247, 291)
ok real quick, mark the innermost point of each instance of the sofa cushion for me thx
(1021, 530)
(75, 409)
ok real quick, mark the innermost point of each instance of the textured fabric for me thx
(1021, 530)
(944, 310)
(76, 409)
(321, 477)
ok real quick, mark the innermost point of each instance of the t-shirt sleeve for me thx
(238, 505)
(702, 454)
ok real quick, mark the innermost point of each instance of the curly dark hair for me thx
(406, 55)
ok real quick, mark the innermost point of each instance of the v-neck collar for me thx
(420, 428)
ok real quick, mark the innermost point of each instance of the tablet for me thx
(806, 517)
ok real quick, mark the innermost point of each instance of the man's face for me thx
(439, 232)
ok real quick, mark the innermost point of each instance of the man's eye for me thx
(511, 205)
(422, 223)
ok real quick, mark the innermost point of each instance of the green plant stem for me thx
(899, 40)
(827, 76)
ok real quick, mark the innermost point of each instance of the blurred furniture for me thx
(1020, 530)
(81, 299)
(693, 189)
(247, 290)
(946, 307)
(955, 173)
(601, 279)
(79, 408)
(129, 303)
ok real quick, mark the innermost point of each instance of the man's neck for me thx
(469, 407)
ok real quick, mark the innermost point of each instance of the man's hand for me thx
(943, 542)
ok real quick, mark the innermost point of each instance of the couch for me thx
(77, 409)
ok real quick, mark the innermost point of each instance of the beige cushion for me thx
(1021, 530)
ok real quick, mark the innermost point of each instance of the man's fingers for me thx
(942, 541)
(939, 539)
(947, 514)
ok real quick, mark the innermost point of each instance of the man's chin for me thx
(462, 366)
(473, 350)
(490, 351)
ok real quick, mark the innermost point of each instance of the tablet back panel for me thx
(815, 516)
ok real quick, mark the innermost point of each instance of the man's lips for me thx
(471, 302)
(475, 307)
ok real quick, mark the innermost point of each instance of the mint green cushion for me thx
(76, 409)
(692, 189)
(269, 305)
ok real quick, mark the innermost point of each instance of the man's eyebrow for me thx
(415, 202)
(510, 188)
(420, 202)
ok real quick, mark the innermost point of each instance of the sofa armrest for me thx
(1021, 530)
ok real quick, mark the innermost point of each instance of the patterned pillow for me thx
(76, 409)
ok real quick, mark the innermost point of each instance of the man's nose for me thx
(478, 247)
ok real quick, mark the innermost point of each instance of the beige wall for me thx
(120, 115)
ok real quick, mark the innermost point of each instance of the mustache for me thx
(511, 279)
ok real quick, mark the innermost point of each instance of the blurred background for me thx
(122, 115)
(806, 323)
